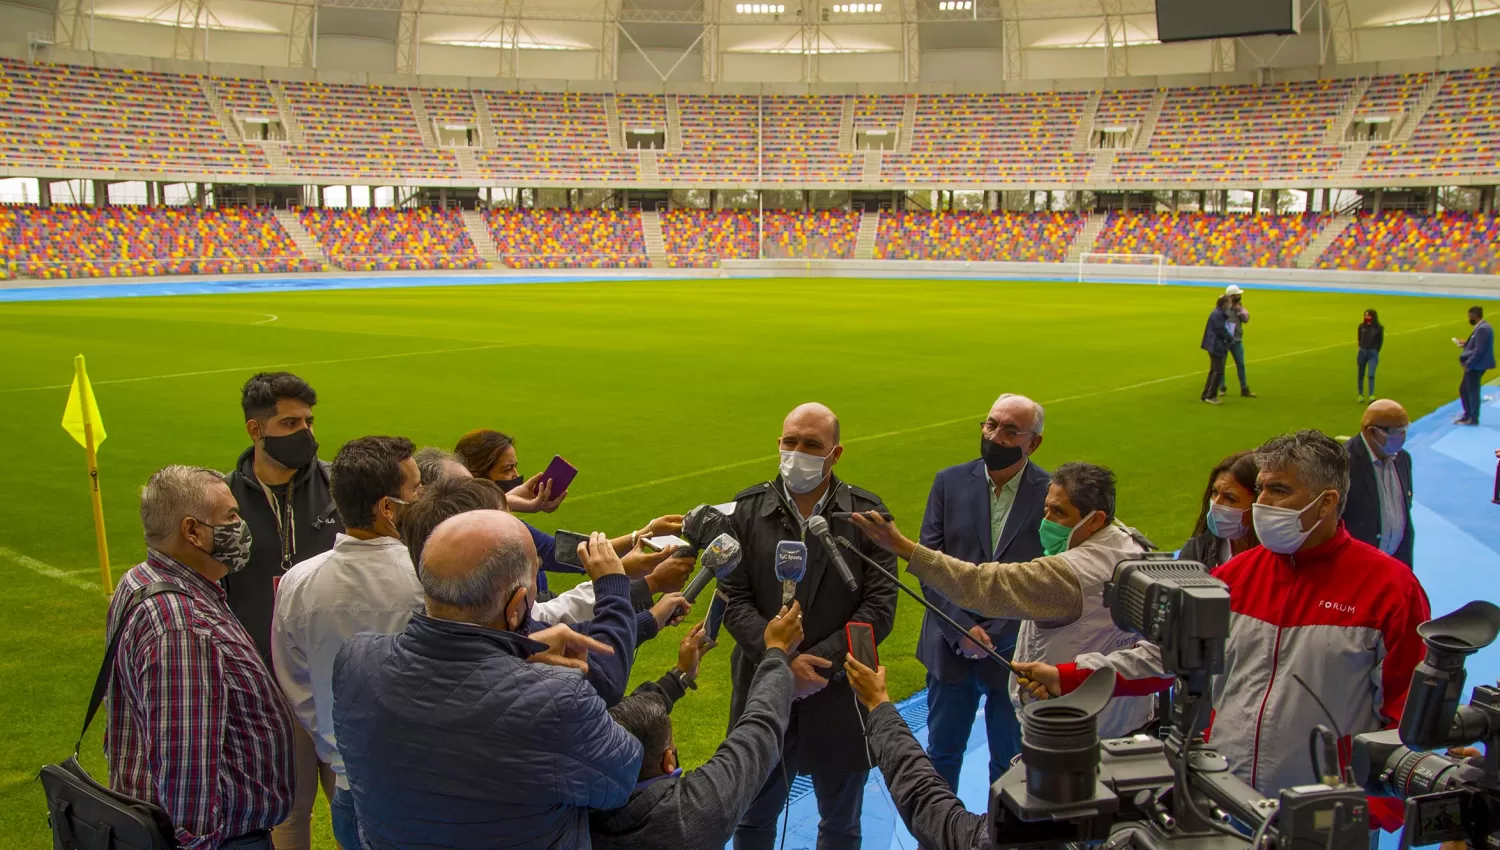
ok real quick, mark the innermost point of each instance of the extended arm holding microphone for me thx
(937, 612)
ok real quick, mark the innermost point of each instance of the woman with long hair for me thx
(1224, 527)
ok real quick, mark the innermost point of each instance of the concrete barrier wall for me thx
(1478, 286)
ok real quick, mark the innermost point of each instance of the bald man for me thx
(1380, 485)
(466, 731)
(825, 737)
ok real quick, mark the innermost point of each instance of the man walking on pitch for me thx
(1216, 341)
(1238, 317)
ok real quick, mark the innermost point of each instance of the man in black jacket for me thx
(1380, 487)
(932, 813)
(673, 810)
(282, 491)
(1216, 341)
(824, 736)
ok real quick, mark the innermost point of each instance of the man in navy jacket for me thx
(1478, 357)
(981, 511)
(466, 731)
(1216, 341)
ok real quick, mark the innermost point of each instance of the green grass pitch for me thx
(664, 394)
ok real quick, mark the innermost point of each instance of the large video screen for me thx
(1188, 20)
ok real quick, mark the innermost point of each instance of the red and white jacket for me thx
(1342, 616)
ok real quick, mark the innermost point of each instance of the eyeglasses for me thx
(1392, 431)
(1009, 432)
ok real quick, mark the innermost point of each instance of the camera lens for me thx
(1060, 748)
(1415, 773)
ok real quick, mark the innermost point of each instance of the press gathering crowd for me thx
(379, 629)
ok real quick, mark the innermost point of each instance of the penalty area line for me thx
(916, 429)
(275, 366)
(41, 568)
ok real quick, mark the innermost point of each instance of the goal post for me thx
(1145, 268)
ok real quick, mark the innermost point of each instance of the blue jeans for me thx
(1368, 359)
(345, 824)
(1469, 393)
(1237, 351)
(950, 715)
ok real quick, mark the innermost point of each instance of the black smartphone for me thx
(847, 514)
(567, 547)
(715, 616)
(862, 644)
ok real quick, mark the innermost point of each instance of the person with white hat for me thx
(1238, 318)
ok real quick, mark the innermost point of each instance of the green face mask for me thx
(1054, 537)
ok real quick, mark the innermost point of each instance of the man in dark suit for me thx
(1216, 341)
(982, 511)
(825, 737)
(1478, 357)
(1378, 511)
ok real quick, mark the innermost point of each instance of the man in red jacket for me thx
(1315, 616)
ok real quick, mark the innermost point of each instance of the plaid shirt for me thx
(196, 722)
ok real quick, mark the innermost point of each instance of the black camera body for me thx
(1447, 798)
(1145, 792)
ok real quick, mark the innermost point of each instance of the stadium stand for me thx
(1198, 239)
(1122, 108)
(361, 133)
(821, 235)
(969, 138)
(1402, 242)
(1458, 136)
(551, 136)
(566, 239)
(700, 238)
(392, 239)
(976, 236)
(76, 241)
(67, 116)
(1225, 133)
(801, 142)
(718, 140)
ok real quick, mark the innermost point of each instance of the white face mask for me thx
(802, 473)
(1280, 529)
(1225, 522)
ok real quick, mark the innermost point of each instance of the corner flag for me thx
(81, 420)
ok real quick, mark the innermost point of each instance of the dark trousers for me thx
(345, 824)
(1215, 375)
(1237, 351)
(841, 797)
(950, 716)
(1468, 393)
(1497, 482)
(1368, 359)
(254, 841)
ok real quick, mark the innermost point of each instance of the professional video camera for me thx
(1447, 798)
(1173, 792)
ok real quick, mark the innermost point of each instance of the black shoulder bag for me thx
(86, 815)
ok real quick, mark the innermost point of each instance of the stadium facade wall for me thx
(1480, 286)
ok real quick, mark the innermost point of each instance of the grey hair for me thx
(1039, 414)
(1321, 463)
(172, 493)
(430, 461)
(481, 591)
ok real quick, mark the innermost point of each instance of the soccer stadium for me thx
(622, 239)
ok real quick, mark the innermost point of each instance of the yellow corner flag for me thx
(81, 420)
(82, 410)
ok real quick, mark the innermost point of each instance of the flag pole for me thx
(105, 577)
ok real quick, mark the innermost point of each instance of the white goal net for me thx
(1143, 268)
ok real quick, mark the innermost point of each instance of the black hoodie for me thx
(314, 523)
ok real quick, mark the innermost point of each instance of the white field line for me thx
(68, 577)
(273, 317)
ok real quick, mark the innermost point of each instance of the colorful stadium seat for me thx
(393, 239)
(569, 239)
(1456, 243)
(1201, 239)
(1016, 237)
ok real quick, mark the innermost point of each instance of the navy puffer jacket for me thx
(451, 739)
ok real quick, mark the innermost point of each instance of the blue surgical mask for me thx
(1225, 522)
(1280, 529)
(1394, 442)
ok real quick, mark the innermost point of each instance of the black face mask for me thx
(510, 484)
(997, 456)
(294, 450)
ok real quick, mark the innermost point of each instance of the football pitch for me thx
(664, 395)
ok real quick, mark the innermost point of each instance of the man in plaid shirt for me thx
(196, 722)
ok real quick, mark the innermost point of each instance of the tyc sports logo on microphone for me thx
(791, 560)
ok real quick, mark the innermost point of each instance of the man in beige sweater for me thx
(1059, 596)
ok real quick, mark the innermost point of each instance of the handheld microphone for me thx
(719, 560)
(715, 619)
(819, 528)
(995, 656)
(791, 566)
